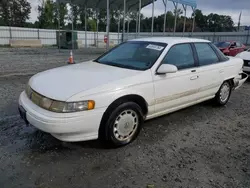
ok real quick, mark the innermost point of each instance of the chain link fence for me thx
(47, 37)
(243, 37)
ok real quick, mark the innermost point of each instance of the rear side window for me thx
(206, 54)
(180, 55)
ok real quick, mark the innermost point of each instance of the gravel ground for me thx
(201, 146)
(29, 60)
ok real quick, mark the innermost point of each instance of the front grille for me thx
(247, 63)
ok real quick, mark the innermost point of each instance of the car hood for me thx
(244, 55)
(64, 82)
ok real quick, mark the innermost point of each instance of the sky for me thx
(223, 7)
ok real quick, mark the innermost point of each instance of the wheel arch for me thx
(231, 82)
(139, 100)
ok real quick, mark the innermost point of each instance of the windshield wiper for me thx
(96, 61)
(121, 66)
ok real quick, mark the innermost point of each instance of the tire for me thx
(123, 124)
(224, 93)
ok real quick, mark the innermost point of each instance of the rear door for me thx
(210, 70)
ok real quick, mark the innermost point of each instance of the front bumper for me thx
(71, 127)
(239, 81)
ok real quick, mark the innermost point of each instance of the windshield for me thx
(137, 55)
(222, 44)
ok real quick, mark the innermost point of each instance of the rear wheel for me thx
(123, 124)
(223, 94)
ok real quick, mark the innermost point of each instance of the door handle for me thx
(194, 77)
(221, 71)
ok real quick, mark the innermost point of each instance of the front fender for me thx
(104, 99)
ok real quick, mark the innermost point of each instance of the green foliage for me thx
(213, 22)
(49, 12)
(46, 14)
(75, 13)
(14, 12)
(60, 12)
(92, 25)
(1, 21)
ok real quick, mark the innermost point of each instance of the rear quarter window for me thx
(222, 57)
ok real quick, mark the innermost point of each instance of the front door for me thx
(173, 90)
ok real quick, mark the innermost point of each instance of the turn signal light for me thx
(91, 105)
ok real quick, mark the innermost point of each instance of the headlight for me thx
(65, 107)
(28, 90)
(78, 106)
(58, 106)
(46, 103)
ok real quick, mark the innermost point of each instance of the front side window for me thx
(136, 55)
(233, 45)
(206, 54)
(181, 56)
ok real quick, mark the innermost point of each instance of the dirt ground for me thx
(202, 146)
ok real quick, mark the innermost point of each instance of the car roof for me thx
(171, 40)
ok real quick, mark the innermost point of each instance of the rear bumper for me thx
(239, 81)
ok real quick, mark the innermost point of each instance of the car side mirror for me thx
(167, 68)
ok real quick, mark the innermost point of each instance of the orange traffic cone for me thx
(71, 58)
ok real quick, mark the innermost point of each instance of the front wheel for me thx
(223, 94)
(123, 124)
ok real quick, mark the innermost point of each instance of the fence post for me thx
(214, 36)
(248, 32)
(10, 32)
(38, 34)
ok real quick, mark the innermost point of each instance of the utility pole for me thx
(239, 21)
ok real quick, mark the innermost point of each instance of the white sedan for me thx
(246, 57)
(109, 98)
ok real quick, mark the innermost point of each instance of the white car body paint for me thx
(104, 84)
(245, 56)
